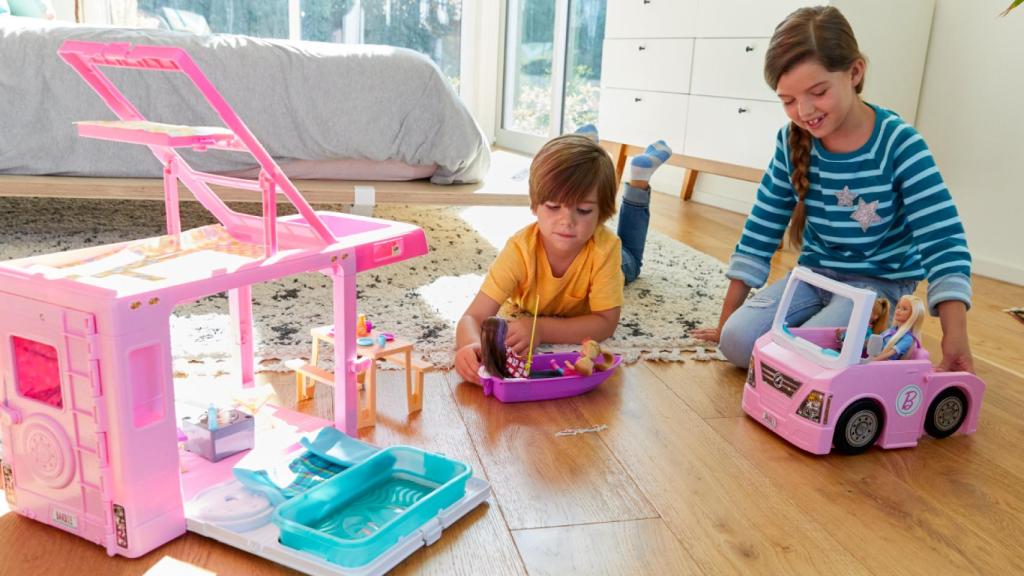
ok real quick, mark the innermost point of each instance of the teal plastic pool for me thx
(357, 515)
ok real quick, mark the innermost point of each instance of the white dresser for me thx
(691, 72)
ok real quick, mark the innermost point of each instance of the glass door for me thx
(552, 69)
(431, 27)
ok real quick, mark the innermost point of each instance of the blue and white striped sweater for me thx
(912, 229)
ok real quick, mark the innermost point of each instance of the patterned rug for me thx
(419, 299)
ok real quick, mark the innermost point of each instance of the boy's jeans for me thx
(633, 221)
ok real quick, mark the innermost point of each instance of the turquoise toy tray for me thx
(357, 515)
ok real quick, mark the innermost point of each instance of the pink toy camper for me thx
(818, 393)
(86, 407)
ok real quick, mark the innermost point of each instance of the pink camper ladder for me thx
(162, 139)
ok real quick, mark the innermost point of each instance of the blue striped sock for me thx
(588, 130)
(659, 150)
(644, 165)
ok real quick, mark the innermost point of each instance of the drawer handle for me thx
(641, 47)
(637, 99)
(742, 110)
(748, 49)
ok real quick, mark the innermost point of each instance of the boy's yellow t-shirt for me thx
(593, 282)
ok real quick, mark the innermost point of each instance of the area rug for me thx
(419, 299)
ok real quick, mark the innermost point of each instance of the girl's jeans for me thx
(810, 306)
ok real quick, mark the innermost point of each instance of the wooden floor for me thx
(681, 482)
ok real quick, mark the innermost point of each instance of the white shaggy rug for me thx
(420, 299)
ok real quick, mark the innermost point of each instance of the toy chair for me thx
(395, 351)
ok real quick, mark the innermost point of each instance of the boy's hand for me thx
(518, 337)
(467, 363)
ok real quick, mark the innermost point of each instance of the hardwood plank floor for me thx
(681, 482)
(633, 547)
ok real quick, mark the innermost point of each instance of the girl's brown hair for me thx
(567, 168)
(821, 34)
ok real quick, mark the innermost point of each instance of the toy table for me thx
(395, 351)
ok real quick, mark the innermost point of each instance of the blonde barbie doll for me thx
(905, 331)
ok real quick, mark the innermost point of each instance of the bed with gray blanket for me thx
(315, 107)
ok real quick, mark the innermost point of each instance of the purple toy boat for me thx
(523, 390)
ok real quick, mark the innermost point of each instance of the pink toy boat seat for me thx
(527, 390)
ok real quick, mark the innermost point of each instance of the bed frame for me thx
(502, 187)
(315, 191)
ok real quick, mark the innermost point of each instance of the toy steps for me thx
(160, 134)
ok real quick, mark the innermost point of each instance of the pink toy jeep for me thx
(817, 392)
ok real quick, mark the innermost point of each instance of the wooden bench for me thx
(693, 166)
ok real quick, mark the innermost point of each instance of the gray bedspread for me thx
(302, 100)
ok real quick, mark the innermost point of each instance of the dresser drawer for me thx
(733, 131)
(650, 19)
(639, 118)
(743, 18)
(730, 67)
(657, 65)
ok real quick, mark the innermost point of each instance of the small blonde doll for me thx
(876, 323)
(905, 331)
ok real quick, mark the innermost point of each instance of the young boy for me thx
(567, 267)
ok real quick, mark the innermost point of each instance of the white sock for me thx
(588, 130)
(644, 165)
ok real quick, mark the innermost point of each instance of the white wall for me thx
(64, 9)
(972, 115)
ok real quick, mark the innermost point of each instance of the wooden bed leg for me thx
(619, 157)
(689, 181)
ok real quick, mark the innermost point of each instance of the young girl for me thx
(567, 267)
(860, 192)
(905, 331)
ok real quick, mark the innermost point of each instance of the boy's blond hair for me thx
(567, 168)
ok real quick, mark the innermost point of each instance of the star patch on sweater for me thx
(845, 198)
(866, 214)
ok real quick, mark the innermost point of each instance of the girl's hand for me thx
(467, 363)
(956, 354)
(956, 348)
(735, 296)
(518, 336)
(709, 334)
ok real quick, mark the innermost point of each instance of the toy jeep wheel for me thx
(946, 413)
(858, 428)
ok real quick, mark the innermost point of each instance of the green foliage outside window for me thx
(431, 27)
